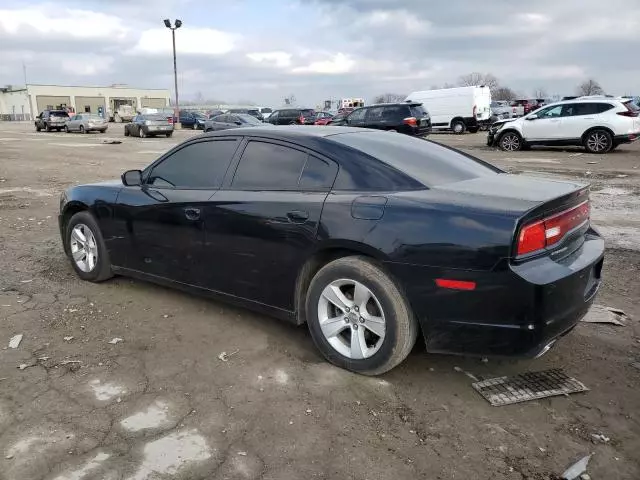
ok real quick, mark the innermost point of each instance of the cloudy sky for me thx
(264, 50)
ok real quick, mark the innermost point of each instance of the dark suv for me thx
(409, 118)
(51, 120)
(293, 116)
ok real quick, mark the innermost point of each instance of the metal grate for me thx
(528, 386)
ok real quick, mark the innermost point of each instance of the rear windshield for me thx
(155, 116)
(632, 106)
(59, 114)
(93, 117)
(267, 110)
(427, 162)
(417, 111)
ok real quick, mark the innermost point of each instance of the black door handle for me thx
(298, 216)
(192, 213)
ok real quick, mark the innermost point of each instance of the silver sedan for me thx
(85, 123)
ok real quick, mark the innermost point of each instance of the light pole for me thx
(173, 28)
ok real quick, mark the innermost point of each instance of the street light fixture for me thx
(177, 24)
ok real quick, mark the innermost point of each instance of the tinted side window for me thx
(318, 174)
(358, 115)
(267, 166)
(586, 108)
(198, 165)
(374, 114)
(603, 107)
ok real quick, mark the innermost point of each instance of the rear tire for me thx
(598, 141)
(38, 128)
(47, 128)
(458, 127)
(75, 247)
(384, 310)
(66, 129)
(141, 133)
(510, 142)
(169, 134)
(82, 130)
(126, 132)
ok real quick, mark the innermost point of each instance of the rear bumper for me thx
(156, 131)
(515, 310)
(628, 138)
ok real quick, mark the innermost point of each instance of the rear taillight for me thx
(411, 121)
(170, 120)
(551, 230)
(301, 120)
(628, 113)
(475, 110)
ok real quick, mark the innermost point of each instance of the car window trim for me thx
(231, 171)
(146, 173)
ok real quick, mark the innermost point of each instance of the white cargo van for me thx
(457, 109)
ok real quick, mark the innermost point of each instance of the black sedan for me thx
(369, 237)
(149, 125)
(231, 120)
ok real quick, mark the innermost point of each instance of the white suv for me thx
(598, 124)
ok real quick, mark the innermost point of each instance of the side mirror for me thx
(237, 122)
(533, 117)
(132, 178)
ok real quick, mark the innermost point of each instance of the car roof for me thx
(289, 132)
(392, 104)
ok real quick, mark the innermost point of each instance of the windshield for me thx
(248, 119)
(427, 162)
(418, 111)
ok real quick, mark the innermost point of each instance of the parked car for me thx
(456, 109)
(51, 120)
(501, 109)
(149, 126)
(600, 125)
(292, 116)
(338, 119)
(254, 112)
(323, 118)
(231, 120)
(193, 120)
(265, 112)
(523, 107)
(369, 238)
(408, 118)
(85, 123)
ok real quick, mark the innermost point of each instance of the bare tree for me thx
(540, 92)
(477, 79)
(503, 93)
(389, 98)
(448, 85)
(589, 87)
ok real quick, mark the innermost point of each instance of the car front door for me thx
(161, 223)
(357, 118)
(545, 124)
(262, 224)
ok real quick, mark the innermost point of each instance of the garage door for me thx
(89, 104)
(153, 102)
(45, 102)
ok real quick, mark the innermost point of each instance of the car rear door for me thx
(581, 116)
(161, 223)
(261, 226)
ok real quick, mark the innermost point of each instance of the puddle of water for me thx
(153, 417)
(81, 473)
(167, 455)
(106, 391)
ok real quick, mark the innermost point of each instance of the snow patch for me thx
(106, 391)
(154, 416)
(82, 472)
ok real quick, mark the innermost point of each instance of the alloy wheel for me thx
(598, 142)
(84, 248)
(351, 319)
(510, 142)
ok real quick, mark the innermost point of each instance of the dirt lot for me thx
(161, 404)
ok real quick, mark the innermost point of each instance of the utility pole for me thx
(176, 108)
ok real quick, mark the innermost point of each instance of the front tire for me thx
(358, 317)
(66, 129)
(82, 130)
(169, 134)
(85, 247)
(141, 133)
(510, 142)
(598, 141)
(126, 132)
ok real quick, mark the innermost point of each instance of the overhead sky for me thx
(264, 50)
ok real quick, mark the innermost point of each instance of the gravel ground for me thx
(74, 404)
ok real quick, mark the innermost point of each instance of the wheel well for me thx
(70, 211)
(606, 129)
(310, 268)
(457, 119)
(509, 130)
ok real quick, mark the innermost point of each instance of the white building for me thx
(25, 103)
